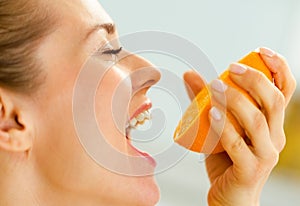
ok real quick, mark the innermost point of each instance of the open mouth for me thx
(139, 118)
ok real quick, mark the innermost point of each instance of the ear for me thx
(15, 135)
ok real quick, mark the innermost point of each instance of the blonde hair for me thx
(23, 23)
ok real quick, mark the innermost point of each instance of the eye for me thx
(113, 51)
(108, 53)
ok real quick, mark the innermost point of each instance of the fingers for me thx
(249, 116)
(232, 142)
(267, 95)
(194, 83)
(282, 74)
(248, 167)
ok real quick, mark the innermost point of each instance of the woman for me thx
(44, 45)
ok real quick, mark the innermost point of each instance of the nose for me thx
(143, 74)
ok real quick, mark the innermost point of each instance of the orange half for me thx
(193, 130)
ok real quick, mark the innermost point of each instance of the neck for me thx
(21, 186)
(13, 189)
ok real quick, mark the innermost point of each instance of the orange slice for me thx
(193, 131)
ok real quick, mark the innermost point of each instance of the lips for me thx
(145, 106)
(145, 155)
(141, 115)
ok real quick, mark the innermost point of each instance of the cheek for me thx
(111, 107)
(57, 150)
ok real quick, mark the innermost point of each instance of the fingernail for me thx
(218, 85)
(237, 68)
(215, 113)
(266, 51)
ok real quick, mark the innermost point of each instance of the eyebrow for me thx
(110, 28)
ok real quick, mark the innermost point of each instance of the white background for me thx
(225, 31)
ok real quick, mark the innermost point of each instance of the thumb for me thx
(194, 83)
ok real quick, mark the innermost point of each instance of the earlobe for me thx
(14, 141)
(14, 135)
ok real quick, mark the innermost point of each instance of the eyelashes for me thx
(108, 53)
(113, 51)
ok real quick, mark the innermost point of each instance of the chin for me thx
(148, 192)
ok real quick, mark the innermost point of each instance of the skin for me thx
(41, 154)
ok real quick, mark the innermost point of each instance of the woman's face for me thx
(57, 154)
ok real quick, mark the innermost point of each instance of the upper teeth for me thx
(140, 118)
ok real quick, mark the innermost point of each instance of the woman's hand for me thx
(238, 175)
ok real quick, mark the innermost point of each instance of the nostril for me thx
(137, 88)
(149, 83)
(144, 77)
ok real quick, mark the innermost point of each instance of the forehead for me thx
(84, 13)
(66, 43)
